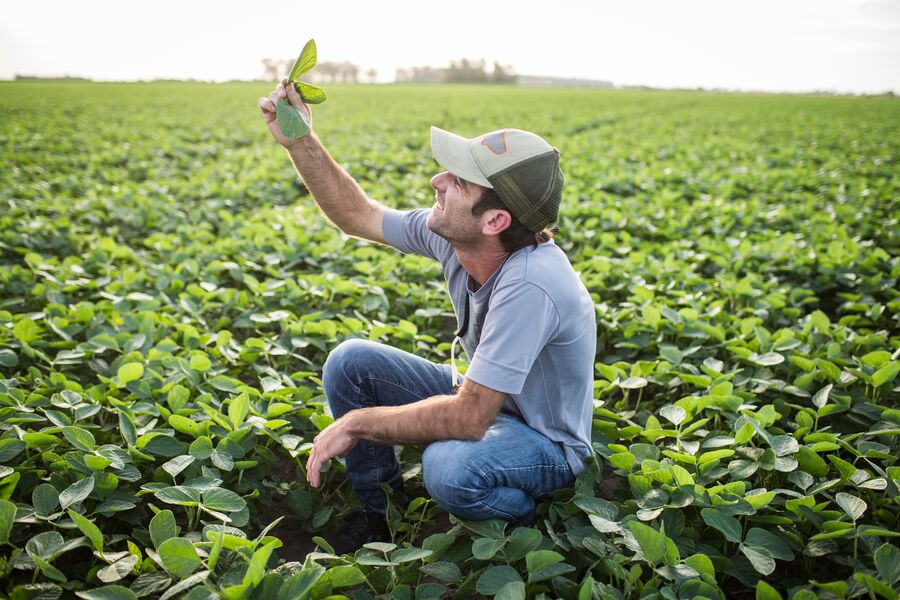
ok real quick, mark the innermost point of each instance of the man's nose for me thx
(438, 181)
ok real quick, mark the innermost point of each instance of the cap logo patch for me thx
(495, 142)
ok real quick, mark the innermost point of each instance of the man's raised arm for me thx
(337, 194)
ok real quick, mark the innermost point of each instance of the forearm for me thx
(336, 193)
(435, 418)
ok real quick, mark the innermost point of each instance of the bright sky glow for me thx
(768, 45)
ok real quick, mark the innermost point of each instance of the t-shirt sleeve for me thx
(406, 231)
(520, 321)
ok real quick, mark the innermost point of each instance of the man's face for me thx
(451, 217)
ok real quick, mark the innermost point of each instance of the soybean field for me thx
(169, 293)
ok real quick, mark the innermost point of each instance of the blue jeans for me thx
(499, 476)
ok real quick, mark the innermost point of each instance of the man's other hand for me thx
(332, 441)
(267, 105)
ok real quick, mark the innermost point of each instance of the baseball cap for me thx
(519, 165)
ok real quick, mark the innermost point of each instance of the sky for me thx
(847, 46)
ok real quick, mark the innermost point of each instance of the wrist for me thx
(301, 143)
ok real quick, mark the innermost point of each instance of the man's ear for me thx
(495, 221)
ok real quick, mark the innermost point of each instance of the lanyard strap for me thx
(454, 372)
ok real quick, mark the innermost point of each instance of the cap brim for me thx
(452, 152)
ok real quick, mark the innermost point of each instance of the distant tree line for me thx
(324, 72)
(461, 71)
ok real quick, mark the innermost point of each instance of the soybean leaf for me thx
(76, 492)
(887, 561)
(345, 576)
(514, 590)
(181, 495)
(310, 93)
(443, 570)
(305, 62)
(108, 592)
(291, 120)
(760, 558)
(223, 500)
(163, 527)
(178, 464)
(45, 499)
(494, 578)
(853, 506)
(723, 523)
(179, 557)
(80, 438)
(130, 372)
(651, 541)
(7, 516)
(89, 529)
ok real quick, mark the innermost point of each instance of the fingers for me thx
(293, 96)
(266, 105)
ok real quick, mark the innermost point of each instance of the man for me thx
(517, 427)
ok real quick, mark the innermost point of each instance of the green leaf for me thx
(821, 397)
(486, 548)
(118, 569)
(130, 372)
(886, 373)
(76, 492)
(494, 578)
(305, 62)
(163, 527)
(201, 448)
(760, 538)
(178, 464)
(238, 410)
(108, 592)
(80, 438)
(764, 591)
(45, 499)
(7, 517)
(200, 362)
(760, 558)
(310, 93)
(674, 414)
(186, 426)
(768, 359)
(8, 358)
(651, 541)
(257, 567)
(223, 500)
(10, 448)
(89, 529)
(853, 506)
(345, 576)
(723, 523)
(887, 561)
(443, 570)
(179, 557)
(181, 495)
(404, 555)
(291, 120)
(299, 584)
(514, 590)
(522, 541)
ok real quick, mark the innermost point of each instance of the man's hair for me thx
(516, 235)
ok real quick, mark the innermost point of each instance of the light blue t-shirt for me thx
(531, 331)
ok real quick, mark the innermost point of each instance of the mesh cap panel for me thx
(532, 189)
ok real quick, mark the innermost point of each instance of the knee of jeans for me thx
(450, 482)
(340, 373)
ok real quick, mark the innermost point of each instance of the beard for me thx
(459, 230)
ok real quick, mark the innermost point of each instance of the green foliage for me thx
(169, 294)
